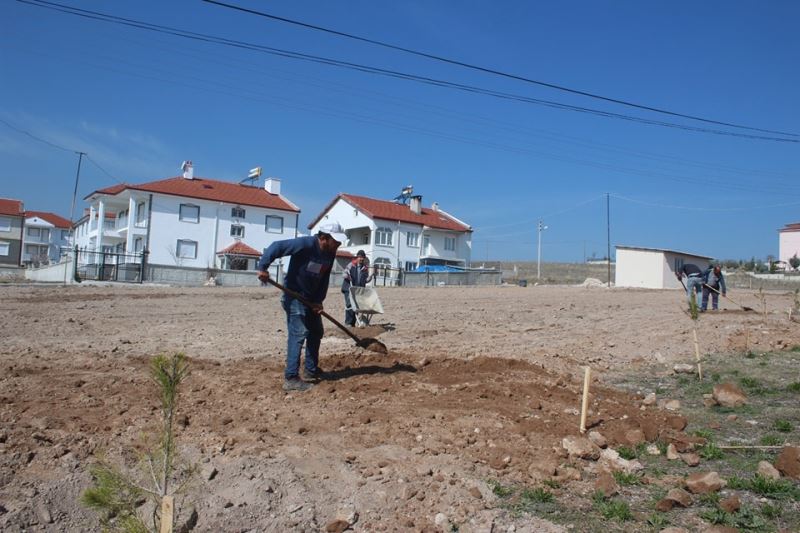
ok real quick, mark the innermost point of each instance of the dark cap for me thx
(361, 253)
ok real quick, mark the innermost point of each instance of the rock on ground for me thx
(729, 395)
(788, 462)
(704, 482)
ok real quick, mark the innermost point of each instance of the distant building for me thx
(12, 220)
(653, 268)
(45, 239)
(789, 242)
(397, 235)
(187, 221)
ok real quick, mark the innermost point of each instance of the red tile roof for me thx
(795, 226)
(387, 210)
(56, 220)
(240, 248)
(344, 253)
(10, 207)
(208, 189)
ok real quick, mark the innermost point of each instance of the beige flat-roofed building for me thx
(653, 268)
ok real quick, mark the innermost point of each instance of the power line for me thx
(709, 209)
(54, 145)
(93, 15)
(32, 136)
(532, 221)
(493, 71)
(478, 142)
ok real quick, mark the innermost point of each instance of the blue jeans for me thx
(303, 325)
(714, 299)
(349, 314)
(693, 284)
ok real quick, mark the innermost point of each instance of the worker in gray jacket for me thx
(355, 275)
(714, 283)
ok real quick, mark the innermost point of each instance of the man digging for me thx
(308, 275)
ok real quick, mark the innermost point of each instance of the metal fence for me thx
(109, 266)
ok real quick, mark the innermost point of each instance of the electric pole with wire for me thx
(540, 227)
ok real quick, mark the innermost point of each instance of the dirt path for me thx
(478, 385)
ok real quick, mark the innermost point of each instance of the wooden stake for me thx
(167, 514)
(750, 447)
(746, 340)
(587, 376)
(697, 354)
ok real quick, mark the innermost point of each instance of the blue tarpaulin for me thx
(438, 268)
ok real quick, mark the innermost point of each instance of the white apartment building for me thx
(46, 237)
(789, 242)
(187, 221)
(399, 235)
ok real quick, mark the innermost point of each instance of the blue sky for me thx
(140, 102)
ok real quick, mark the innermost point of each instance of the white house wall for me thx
(670, 280)
(399, 253)
(639, 269)
(789, 245)
(212, 233)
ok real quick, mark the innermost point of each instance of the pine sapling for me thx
(161, 474)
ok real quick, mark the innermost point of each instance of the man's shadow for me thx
(368, 370)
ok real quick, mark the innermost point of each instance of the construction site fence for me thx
(749, 280)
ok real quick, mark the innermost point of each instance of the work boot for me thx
(297, 384)
(312, 377)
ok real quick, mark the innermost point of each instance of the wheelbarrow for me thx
(364, 302)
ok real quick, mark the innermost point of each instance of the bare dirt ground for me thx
(480, 384)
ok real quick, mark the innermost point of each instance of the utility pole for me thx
(608, 236)
(75, 192)
(540, 227)
(72, 243)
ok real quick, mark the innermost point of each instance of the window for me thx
(190, 213)
(140, 213)
(35, 251)
(382, 262)
(64, 234)
(274, 224)
(45, 234)
(237, 212)
(34, 232)
(187, 249)
(412, 239)
(5, 248)
(450, 244)
(237, 230)
(426, 245)
(383, 236)
(137, 245)
(678, 264)
(5, 224)
(411, 265)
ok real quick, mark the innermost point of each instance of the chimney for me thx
(416, 204)
(435, 206)
(188, 170)
(272, 185)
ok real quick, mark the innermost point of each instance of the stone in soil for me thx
(683, 368)
(598, 439)
(580, 447)
(691, 459)
(606, 484)
(674, 498)
(765, 469)
(730, 504)
(788, 462)
(704, 482)
(672, 453)
(729, 395)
